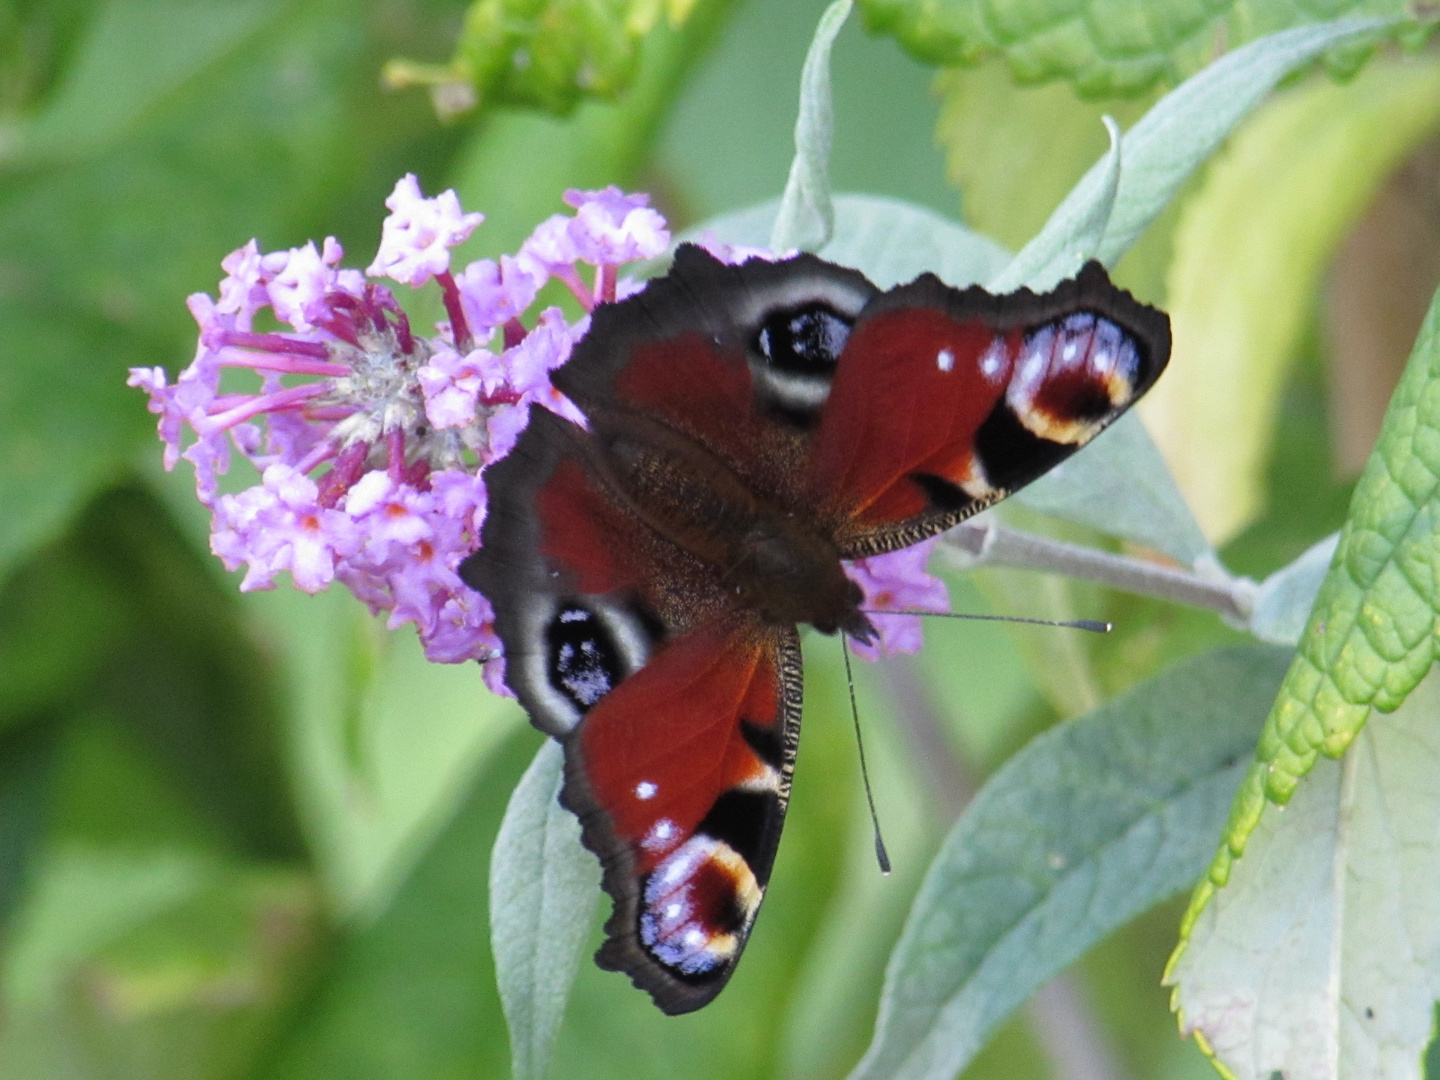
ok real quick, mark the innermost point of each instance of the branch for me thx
(972, 544)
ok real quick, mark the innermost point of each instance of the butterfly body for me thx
(778, 562)
(748, 429)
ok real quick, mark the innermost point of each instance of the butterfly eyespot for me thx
(792, 359)
(803, 341)
(585, 661)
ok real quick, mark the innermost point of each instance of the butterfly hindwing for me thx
(556, 566)
(680, 778)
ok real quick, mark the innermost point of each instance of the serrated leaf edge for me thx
(1264, 782)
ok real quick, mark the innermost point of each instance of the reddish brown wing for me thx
(945, 401)
(681, 778)
(679, 713)
(737, 358)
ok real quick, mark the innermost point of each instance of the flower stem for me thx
(395, 444)
(572, 281)
(347, 469)
(459, 328)
(255, 406)
(515, 332)
(605, 280)
(286, 365)
(276, 343)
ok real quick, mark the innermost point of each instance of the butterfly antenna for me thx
(1095, 626)
(881, 855)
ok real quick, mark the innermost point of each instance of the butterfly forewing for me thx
(738, 358)
(947, 400)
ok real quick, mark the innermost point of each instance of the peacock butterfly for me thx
(749, 427)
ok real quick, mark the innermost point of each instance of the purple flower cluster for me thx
(372, 440)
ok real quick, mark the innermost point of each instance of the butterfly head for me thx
(858, 625)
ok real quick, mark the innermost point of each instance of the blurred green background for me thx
(247, 836)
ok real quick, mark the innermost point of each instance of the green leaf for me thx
(894, 242)
(1283, 600)
(806, 218)
(1371, 634)
(1072, 235)
(1119, 47)
(888, 240)
(543, 891)
(1120, 485)
(1015, 151)
(1089, 825)
(411, 995)
(1272, 210)
(1320, 960)
(1184, 128)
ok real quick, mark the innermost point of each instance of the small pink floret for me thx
(611, 227)
(280, 526)
(897, 581)
(416, 238)
(299, 287)
(243, 292)
(549, 248)
(493, 293)
(452, 384)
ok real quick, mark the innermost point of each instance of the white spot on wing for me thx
(645, 790)
(992, 361)
(660, 835)
(945, 360)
